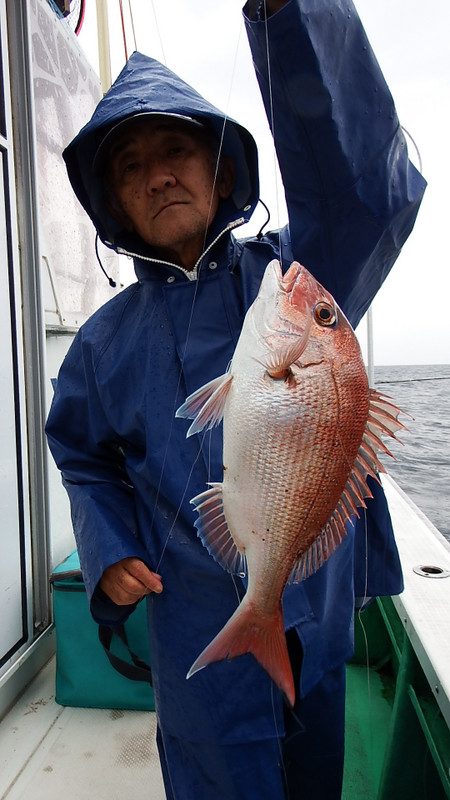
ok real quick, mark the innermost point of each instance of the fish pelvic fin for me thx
(262, 635)
(382, 420)
(213, 531)
(206, 405)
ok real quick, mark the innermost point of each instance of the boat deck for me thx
(398, 708)
(48, 752)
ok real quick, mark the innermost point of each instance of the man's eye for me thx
(176, 150)
(130, 167)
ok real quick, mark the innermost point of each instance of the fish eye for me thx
(324, 314)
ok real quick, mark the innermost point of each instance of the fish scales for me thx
(277, 454)
(296, 406)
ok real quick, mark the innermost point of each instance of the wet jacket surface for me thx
(128, 468)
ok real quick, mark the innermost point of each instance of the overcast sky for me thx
(205, 43)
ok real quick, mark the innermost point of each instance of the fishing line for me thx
(417, 380)
(364, 600)
(222, 135)
(200, 265)
(419, 157)
(164, 59)
(191, 315)
(278, 737)
(180, 504)
(366, 641)
(239, 598)
(277, 206)
(132, 24)
(209, 456)
(272, 126)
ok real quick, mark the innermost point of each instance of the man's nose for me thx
(158, 178)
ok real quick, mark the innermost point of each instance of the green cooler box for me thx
(84, 675)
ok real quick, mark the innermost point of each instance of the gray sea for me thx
(422, 468)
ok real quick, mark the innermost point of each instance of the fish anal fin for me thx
(250, 631)
(214, 533)
(206, 405)
(321, 548)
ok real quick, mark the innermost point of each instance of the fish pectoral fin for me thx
(281, 359)
(213, 531)
(206, 405)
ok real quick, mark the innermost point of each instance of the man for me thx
(166, 179)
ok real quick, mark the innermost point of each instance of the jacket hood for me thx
(146, 86)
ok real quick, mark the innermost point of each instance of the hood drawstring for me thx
(260, 232)
(111, 282)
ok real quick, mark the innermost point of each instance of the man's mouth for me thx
(169, 205)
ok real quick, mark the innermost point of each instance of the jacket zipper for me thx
(191, 275)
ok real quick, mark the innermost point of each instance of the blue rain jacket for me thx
(352, 198)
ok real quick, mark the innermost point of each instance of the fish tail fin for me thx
(250, 631)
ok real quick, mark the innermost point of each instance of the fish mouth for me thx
(287, 281)
(284, 320)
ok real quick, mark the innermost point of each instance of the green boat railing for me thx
(397, 741)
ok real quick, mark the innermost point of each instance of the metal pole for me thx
(22, 96)
(104, 51)
(370, 363)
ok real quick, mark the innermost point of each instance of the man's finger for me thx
(140, 572)
(128, 580)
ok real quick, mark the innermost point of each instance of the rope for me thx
(80, 21)
(123, 30)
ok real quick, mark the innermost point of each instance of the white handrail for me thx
(104, 50)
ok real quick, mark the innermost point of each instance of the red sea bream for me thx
(301, 432)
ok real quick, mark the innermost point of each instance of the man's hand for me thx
(128, 580)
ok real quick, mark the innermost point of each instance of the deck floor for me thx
(48, 752)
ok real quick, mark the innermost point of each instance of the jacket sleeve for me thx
(351, 192)
(88, 454)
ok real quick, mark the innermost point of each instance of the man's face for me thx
(162, 177)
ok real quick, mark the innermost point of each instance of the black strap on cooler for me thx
(138, 670)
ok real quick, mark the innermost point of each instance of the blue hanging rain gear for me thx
(352, 198)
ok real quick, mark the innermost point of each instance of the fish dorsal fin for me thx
(213, 531)
(382, 419)
(206, 405)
